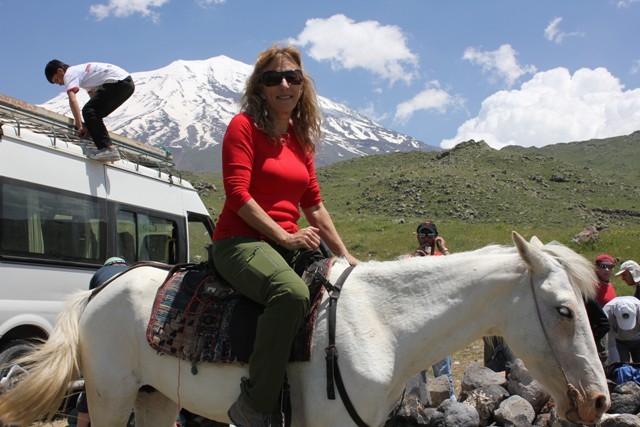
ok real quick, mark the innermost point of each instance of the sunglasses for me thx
(607, 266)
(423, 235)
(274, 78)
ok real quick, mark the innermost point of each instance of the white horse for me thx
(394, 319)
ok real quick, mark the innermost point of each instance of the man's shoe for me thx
(242, 414)
(107, 155)
(90, 152)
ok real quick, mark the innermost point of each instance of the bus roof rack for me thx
(58, 126)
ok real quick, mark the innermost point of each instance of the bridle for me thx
(572, 391)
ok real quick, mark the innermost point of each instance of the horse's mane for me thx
(578, 268)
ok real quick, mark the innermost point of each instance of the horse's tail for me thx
(50, 369)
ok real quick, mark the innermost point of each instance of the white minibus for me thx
(62, 215)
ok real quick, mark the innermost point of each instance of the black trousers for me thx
(106, 99)
(628, 351)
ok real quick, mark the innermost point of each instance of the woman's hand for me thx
(305, 238)
(351, 259)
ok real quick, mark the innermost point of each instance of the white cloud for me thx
(552, 29)
(208, 3)
(553, 107)
(625, 3)
(500, 64)
(126, 8)
(380, 49)
(432, 98)
(635, 67)
(370, 111)
(553, 33)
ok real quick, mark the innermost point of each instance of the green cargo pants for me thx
(260, 272)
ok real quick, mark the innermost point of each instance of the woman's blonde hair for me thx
(306, 116)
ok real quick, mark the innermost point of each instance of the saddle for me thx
(198, 317)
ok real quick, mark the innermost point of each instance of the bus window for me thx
(44, 223)
(142, 237)
(200, 231)
(126, 236)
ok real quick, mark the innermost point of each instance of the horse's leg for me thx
(109, 409)
(110, 381)
(154, 409)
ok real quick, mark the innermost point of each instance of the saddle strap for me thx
(333, 370)
(331, 350)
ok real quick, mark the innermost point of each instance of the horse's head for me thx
(552, 333)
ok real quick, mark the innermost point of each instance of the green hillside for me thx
(477, 195)
(617, 156)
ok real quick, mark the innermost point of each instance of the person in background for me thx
(429, 242)
(630, 273)
(432, 244)
(269, 176)
(624, 335)
(108, 86)
(599, 323)
(111, 267)
(604, 293)
(604, 267)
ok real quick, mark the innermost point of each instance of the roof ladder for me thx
(60, 127)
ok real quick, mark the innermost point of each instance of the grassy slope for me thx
(477, 195)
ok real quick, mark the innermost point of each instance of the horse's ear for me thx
(537, 242)
(530, 253)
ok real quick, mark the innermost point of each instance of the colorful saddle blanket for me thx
(198, 320)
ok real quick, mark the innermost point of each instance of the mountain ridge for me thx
(186, 106)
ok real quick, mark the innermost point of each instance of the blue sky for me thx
(505, 71)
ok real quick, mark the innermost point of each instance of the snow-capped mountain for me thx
(187, 105)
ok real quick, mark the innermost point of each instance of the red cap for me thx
(605, 258)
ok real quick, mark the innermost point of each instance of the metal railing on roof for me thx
(59, 127)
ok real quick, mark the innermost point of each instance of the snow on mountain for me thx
(186, 106)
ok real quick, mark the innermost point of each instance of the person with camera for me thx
(431, 244)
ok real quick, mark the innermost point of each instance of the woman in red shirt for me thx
(269, 175)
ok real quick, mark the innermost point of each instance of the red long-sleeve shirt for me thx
(280, 177)
(605, 293)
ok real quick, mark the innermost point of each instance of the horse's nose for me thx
(587, 407)
(601, 403)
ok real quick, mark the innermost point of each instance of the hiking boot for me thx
(242, 414)
(109, 154)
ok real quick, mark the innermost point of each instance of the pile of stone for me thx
(491, 398)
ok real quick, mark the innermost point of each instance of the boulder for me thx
(515, 411)
(459, 414)
(521, 383)
(625, 399)
(485, 400)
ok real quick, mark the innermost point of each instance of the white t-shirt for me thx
(92, 75)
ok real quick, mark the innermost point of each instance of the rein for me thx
(333, 371)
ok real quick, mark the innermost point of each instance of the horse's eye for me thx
(565, 312)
